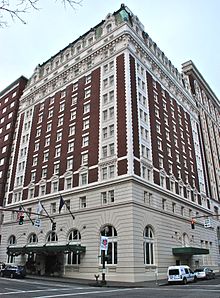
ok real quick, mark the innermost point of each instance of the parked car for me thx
(13, 271)
(181, 273)
(204, 273)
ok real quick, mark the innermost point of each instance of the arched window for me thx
(148, 243)
(74, 237)
(32, 238)
(185, 240)
(12, 240)
(52, 237)
(111, 233)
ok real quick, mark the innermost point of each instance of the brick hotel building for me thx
(131, 144)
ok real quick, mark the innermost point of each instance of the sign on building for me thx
(207, 223)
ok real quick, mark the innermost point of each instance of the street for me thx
(46, 289)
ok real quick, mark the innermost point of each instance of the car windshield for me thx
(199, 270)
(173, 272)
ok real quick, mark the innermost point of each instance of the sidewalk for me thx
(92, 283)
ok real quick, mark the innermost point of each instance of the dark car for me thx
(204, 273)
(13, 271)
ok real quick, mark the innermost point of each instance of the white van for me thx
(180, 273)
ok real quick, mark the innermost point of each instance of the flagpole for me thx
(27, 214)
(46, 213)
(68, 208)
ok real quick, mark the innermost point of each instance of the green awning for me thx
(17, 250)
(189, 251)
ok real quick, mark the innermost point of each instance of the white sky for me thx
(183, 29)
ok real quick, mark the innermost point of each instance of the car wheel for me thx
(11, 275)
(184, 281)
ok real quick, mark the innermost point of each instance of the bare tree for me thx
(18, 8)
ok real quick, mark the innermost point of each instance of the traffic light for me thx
(21, 220)
(193, 224)
(54, 226)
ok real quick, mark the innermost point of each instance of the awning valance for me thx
(189, 251)
(17, 250)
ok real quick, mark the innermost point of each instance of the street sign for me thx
(37, 223)
(104, 243)
(207, 223)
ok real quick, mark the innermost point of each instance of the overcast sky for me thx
(183, 29)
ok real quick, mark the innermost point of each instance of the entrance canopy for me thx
(189, 251)
(46, 248)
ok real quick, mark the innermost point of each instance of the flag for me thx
(62, 202)
(39, 208)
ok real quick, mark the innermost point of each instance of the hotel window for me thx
(62, 106)
(105, 83)
(4, 149)
(40, 118)
(169, 151)
(88, 79)
(33, 176)
(104, 151)
(2, 120)
(86, 124)
(111, 130)
(180, 190)
(56, 169)
(34, 163)
(111, 96)
(148, 246)
(170, 166)
(111, 112)
(72, 130)
(44, 172)
(157, 112)
(111, 233)
(50, 113)
(84, 158)
(70, 146)
(31, 193)
(68, 183)
(164, 204)
(69, 164)
(105, 115)
(177, 157)
(47, 141)
(53, 208)
(73, 115)
(42, 190)
(111, 171)
(111, 80)
(111, 149)
(166, 120)
(38, 131)
(9, 125)
(84, 178)
(155, 97)
(57, 151)
(63, 93)
(87, 93)
(173, 207)
(172, 186)
(167, 135)
(158, 128)
(85, 141)
(59, 136)
(104, 133)
(162, 181)
(74, 100)
(49, 126)
(160, 162)
(54, 186)
(10, 115)
(159, 143)
(104, 173)
(175, 142)
(104, 198)
(182, 211)
(105, 98)
(60, 121)
(86, 108)
(51, 100)
(82, 202)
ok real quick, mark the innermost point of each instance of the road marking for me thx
(86, 293)
(35, 291)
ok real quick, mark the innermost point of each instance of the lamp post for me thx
(104, 249)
